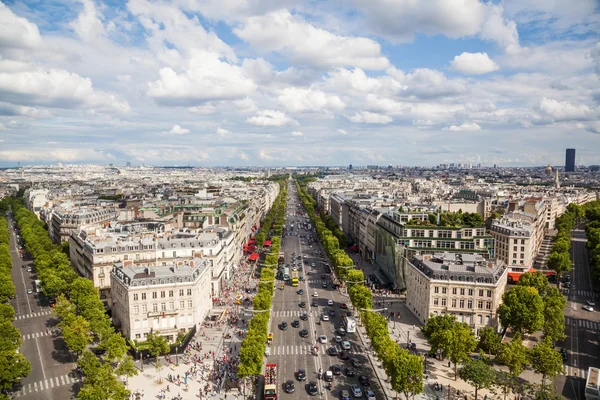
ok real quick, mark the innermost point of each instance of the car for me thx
(346, 345)
(29, 291)
(344, 395)
(341, 332)
(333, 351)
(328, 376)
(349, 314)
(300, 291)
(344, 306)
(313, 390)
(590, 303)
(299, 257)
(315, 294)
(567, 285)
(295, 324)
(356, 392)
(323, 339)
(588, 308)
(337, 338)
(325, 317)
(301, 375)
(312, 265)
(344, 355)
(370, 395)
(329, 302)
(289, 386)
(349, 371)
(314, 303)
(302, 304)
(336, 369)
(363, 380)
(304, 316)
(283, 326)
(324, 285)
(331, 313)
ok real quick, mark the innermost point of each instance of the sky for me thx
(285, 82)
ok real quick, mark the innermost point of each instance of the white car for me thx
(312, 265)
(588, 308)
(337, 338)
(323, 339)
(325, 317)
(590, 303)
(329, 302)
(315, 294)
(346, 345)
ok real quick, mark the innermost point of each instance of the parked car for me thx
(356, 392)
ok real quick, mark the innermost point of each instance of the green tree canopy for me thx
(514, 355)
(536, 280)
(546, 361)
(77, 334)
(522, 309)
(489, 340)
(479, 374)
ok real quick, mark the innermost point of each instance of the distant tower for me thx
(128, 163)
(548, 170)
(570, 161)
(556, 180)
(350, 167)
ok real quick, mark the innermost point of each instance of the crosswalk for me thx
(45, 385)
(36, 335)
(33, 315)
(582, 323)
(294, 350)
(291, 314)
(584, 293)
(319, 281)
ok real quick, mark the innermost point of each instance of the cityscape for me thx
(267, 200)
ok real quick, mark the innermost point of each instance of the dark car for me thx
(302, 304)
(283, 326)
(289, 386)
(304, 317)
(349, 371)
(332, 351)
(363, 380)
(331, 313)
(295, 324)
(304, 333)
(300, 291)
(344, 355)
(315, 303)
(301, 375)
(336, 369)
(313, 390)
(324, 285)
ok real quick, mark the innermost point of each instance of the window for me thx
(136, 309)
(444, 290)
(515, 241)
(462, 291)
(480, 319)
(489, 293)
(470, 304)
(171, 306)
(189, 304)
(144, 308)
(488, 305)
(480, 305)
(522, 241)
(162, 294)
(522, 248)
(138, 336)
(467, 245)
(514, 248)
(480, 292)
(170, 293)
(443, 302)
(435, 301)
(514, 255)
(137, 256)
(418, 233)
(174, 253)
(445, 244)
(462, 303)
(444, 234)
(454, 290)
(135, 297)
(436, 289)
(189, 292)
(154, 307)
(470, 292)
(180, 292)
(453, 302)
(154, 295)
(143, 296)
(163, 306)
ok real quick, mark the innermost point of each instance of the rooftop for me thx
(459, 267)
(181, 271)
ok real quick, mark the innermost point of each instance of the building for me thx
(570, 160)
(465, 285)
(63, 222)
(166, 300)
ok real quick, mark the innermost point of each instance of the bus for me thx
(592, 386)
(37, 286)
(294, 278)
(349, 324)
(286, 274)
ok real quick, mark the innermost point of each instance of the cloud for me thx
(595, 53)
(565, 110)
(296, 133)
(302, 100)
(473, 64)
(343, 132)
(366, 117)
(222, 132)
(17, 32)
(177, 130)
(302, 42)
(464, 127)
(270, 118)
(206, 78)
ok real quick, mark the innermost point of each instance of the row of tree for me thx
(404, 370)
(13, 366)
(82, 314)
(252, 349)
(592, 214)
(269, 218)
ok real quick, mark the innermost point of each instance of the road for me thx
(290, 351)
(51, 367)
(582, 327)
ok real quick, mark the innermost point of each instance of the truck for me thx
(281, 257)
(270, 382)
(294, 278)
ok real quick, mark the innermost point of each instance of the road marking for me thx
(44, 385)
(33, 315)
(36, 335)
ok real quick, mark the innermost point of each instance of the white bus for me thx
(37, 286)
(349, 324)
(286, 274)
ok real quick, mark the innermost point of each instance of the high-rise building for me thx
(128, 163)
(570, 161)
(350, 167)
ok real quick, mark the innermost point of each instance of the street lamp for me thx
(176, 355)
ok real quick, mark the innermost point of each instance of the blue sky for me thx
(284, 82)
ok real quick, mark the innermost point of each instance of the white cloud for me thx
(222, 131)
(595, 53)
(206, 78)
(296, 133)
(499, 29)
(17, 32)
(270, 118)
(464, 127)
(565, 110)
(301, 100)
(304, 43)
(473, 63)
(88, 25)
(342, 131)
(366, 117)
(177, 130)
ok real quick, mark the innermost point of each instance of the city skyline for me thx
(266, 83)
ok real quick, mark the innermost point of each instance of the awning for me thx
(253, 257)
(267, 243)
(251, 241)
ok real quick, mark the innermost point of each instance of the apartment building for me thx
(166, 300)
(63, 222)
(464, 285)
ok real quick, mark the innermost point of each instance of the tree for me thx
(7, 289)
(522, 309)
(559, 262)
(479, 374)
(103, 385)
(435, 325)
(458, 343)
(13, 367)
(64, 308)
(76, 334)
(554, 318)
(489, 340)
(406, 373)
(545, 360)
(7, 313)
(10, 337)
(514, 355)
(88, 363)
(535, 279)
(127, 368)
(115, 346)
(157, 345)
